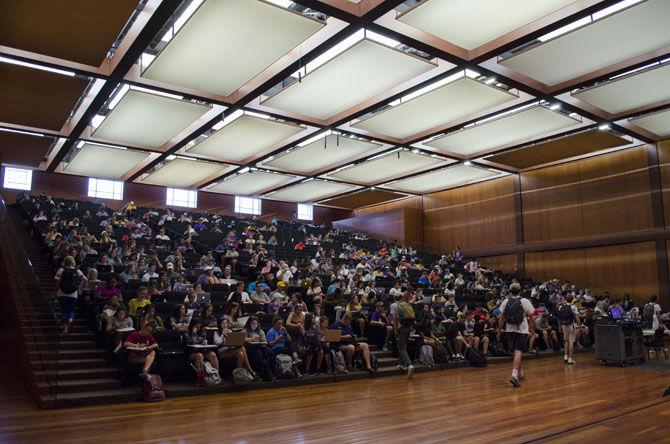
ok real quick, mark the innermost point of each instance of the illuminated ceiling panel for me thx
(358, 74)
(471, 23)
(311, 191)
(244, 137)
(251, 183)
(515, 128)
(442, 179)
(232, 38)
(455, 100)
(319, 154)
(104, 161)
(150, 120)
(392, 165)
(615, 38)
(630, 92)
(183, 173)
(657, 123)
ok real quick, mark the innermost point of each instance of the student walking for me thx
(403, 322)
(517, 320)
(568, 316)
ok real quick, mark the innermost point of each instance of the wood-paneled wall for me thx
(415, 202)
(664, 167)
(477, 216)
(597, 196)
(402, 225)
(617, 269)
(505, 262)
(76, 187)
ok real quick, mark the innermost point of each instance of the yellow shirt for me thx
(134, 305)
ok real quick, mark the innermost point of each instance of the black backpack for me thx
(565, 314)
(513, 311)
(69, 281)
(475, 357)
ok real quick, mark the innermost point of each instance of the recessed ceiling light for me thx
(604, 127)
(467, 163)
(555, 106)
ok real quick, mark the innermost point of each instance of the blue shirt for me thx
(346, 329)
(273, 334)
(424, 280)
(252, 287)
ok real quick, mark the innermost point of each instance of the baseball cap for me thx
(169, 265)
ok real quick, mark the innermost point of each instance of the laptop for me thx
(332, 336)
(235, 339)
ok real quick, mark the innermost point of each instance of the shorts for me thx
(569, 332)
(67, 306)
(517, 341)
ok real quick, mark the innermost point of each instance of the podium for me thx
(620, 343)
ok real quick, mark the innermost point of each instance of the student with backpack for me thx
(68, 279)
(403, 322)
(517, 320)
(568, 317)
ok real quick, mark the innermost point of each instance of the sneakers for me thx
(515, 381)
(569, 361)
(297, 361)
(410, 372)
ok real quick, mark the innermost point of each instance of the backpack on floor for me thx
(496, 349)
(440, 353)
(210, 375)
(513, 311)
(152, 388)
(284, 365)
(339, 365)
(426, 355)
(69, 281)
(242, 376)
(475, 358)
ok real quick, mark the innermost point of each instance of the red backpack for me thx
(152, 388)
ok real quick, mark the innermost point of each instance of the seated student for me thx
(354, 308)
(314, 344)
(261, 356)
(232, 314)
(141, 346)
(149, 315)
(348, 345)
(225, 352)
(181, 285)
(150, 274)
(480, 337)
(296, 318)
(279, 339)
(194, 336)
(207, 316)
(258, 296)
(139, 301)
(129, 273)
(190, 302)
(240, 293)
(259, 282)
(380, 327)
(180, 320)
(119, 321)
(546, 334)
(455, 340)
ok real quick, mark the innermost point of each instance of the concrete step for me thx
(387, 362)
(76, 374)
(62, 345)
(83, 385)
(68, 364)
(87, 353)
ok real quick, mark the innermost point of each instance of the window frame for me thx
(95, 191)
(191, 197)
(254, 208)
(310, 211)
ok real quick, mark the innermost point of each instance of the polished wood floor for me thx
(585, 403)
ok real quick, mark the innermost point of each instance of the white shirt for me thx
(148, 276)
(523, 327)
(245, 297)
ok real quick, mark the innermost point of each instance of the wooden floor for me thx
(585, 403)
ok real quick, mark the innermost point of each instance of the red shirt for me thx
(137, 338)
(483, 315)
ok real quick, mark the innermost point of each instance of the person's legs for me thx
(348, 351)
(403, 339)
(319, 359)
(211, 357)
(475, 342)
(149, 361)
(361, 326)
(517, 343)
(365, 349)
(485, 344)
(308, 362)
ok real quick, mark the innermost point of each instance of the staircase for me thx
(68, 369)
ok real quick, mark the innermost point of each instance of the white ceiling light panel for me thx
(398, 163)
(513, 128)
(321, 153)
(311, 191)
(104, 161)
(150, 120)
(244, 137)
(471, 23)
(657, 123)
(442, 179)
(615, 38)
(226, 43)
(251, 183)
(183, 173)
(455, 100)
(630, 92)
(361, 72)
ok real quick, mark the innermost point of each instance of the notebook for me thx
(235, 339)
(333, 336)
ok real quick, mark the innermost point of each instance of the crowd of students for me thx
(285, 294)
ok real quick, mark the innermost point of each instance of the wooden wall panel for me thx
(616, 193)
(388, 225)
(476, 216)
(664, 167)
(551, 202)
(415, 202)
(597, 196)
(76, 187)
(566, 265)
(506, 262)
